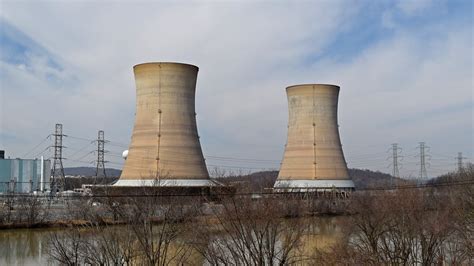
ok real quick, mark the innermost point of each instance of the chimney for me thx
(313, 156)
(165, 142)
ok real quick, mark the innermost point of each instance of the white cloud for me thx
(411, 7)
(247, 54)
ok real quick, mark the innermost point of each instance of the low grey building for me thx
(24, 175)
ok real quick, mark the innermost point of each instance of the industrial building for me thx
(313, 158)
(165, 148)
(24, 175)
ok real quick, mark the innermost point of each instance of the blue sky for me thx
(404, 67)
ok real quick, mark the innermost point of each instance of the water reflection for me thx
(29, 246)
(23, 247)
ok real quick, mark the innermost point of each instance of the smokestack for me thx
(165, 148)
(313, 156)
(42, 174)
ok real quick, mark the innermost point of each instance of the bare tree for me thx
(242, 231)
(411, 226)
(153, 234)
(110, 245)
(157, 224)
(66, 247)
(31, 210)
(6, 208)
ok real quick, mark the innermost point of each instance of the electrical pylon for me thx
(100, 169)
(423, 148)
(460, 163)
(395, 163)
(58, 179)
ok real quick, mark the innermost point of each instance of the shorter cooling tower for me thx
(313, 156)
(165, 148)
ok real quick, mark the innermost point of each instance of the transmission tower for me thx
(100, 170)
(423, 148)
(395, 156)
(58, 180)
(460, 164)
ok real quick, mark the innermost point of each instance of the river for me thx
(29, 246)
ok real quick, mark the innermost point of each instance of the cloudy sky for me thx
(405, 69)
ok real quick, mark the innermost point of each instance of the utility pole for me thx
(100, 169)
(395, 155)
(423, 156)
(460, 164)
(58, 179)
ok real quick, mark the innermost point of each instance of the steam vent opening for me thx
(165, 148)
(313, 158)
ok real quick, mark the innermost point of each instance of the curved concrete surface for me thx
(313, 151)
(165, 142)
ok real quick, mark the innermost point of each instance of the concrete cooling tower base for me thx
(192, 191)
(166, 183)
(314, 184)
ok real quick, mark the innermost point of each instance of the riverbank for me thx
(108, 222)
(30, 212)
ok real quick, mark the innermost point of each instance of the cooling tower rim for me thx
(313, 84)
(166, 63)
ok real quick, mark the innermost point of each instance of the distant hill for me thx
(255, 182)
(363, 178)
(90, 171)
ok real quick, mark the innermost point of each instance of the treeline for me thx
(426, 226)
(90, 171)
(404, 227)
(464, 175)
(70, 183)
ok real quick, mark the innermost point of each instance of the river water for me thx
(24, 247)
(29, 246)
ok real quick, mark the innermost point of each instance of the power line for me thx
(215, 157)
(41, 152)
(114, 143)
(367, 155)
(80, 150)
(118, 145)
(367, 160)
(35, 147)
(80, 161)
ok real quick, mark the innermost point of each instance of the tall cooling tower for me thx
(165, 148)
(313, 154)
